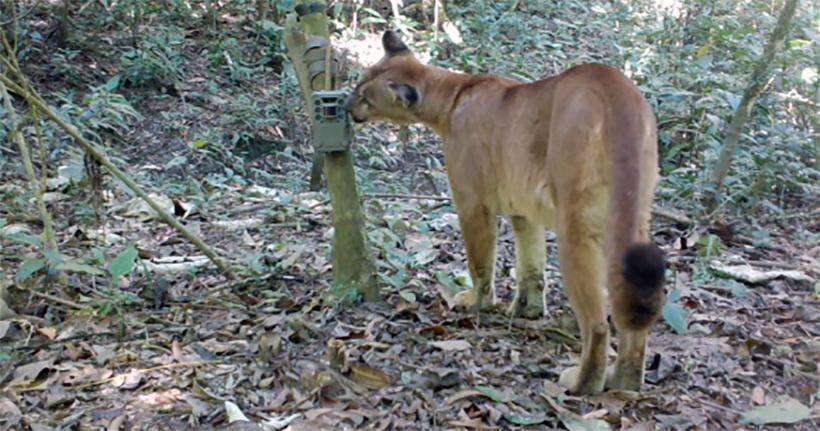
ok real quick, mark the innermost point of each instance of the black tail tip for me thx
(645, 266)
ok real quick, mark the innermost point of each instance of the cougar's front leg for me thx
(479, 230)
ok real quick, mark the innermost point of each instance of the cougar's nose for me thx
(351, 100)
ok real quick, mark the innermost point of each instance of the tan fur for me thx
(575, 153)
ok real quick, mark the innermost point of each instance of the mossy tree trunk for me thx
(353, 268)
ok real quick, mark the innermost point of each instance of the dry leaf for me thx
(4, 328)
(280, 422)
(755, 276)
(460, 395)
(176, 351)
(129, 380)
(758, 396)
(10, 414)
(49, 332)
(174, 264)
(451, 345)
(29, 372)
(159, 401)
(139, 208)
(238, 224)
(234, 413)
(369, 377)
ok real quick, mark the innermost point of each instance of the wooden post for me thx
(353, 268)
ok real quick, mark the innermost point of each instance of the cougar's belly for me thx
(531, 201)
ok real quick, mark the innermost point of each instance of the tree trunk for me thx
(63, 18)
(753, 90)
(353, 267)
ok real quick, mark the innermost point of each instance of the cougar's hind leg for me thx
(581, 256)
(530, 257)
(479, 229)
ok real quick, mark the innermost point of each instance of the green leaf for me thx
(785, 411)
(53, 257)
(445, 280)
(113, 84)
(736, 288)
(124, 263)
(710, 246)
(199, 144)
(24, 238)
(71, 266)
(675, 316)
(410, 297)
(525, 420)
(577, 423)
(492, 394)
(29, 268)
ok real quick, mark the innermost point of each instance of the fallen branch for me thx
(38, 188)
(37, 102)
(52, 298)
(148, 370)
(676, 216)
(402, 196)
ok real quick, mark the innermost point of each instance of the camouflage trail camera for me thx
(331, 127)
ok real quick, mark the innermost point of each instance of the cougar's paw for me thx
(571, 379)
(624, 378)
(468, 299)
(528, 306)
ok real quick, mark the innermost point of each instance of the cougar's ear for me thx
(392, 44)
(407, 94)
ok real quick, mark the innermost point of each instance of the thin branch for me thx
(403, 196)
(38, 103)
(757, 83)
(57, 299)
(36, 187)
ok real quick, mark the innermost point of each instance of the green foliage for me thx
(29, 268)
(674, 313)
(123, 264)
(786, 410)
(65, 64)
(692, 62)
(113, 300)
(710, 246)
(99, 111)
(157, 62)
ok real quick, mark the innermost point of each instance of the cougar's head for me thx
(388, 90)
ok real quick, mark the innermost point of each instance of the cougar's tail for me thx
(643, 296)
(636, 267)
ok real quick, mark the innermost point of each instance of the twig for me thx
(35, 101)
(58, 300)
(792, 365)
(766, 263)
(36, 187)
(403, 196)
(148, 370)
(676, 216)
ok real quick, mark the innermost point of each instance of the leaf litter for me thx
(200, 352)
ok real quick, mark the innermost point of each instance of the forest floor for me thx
(177, 346)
